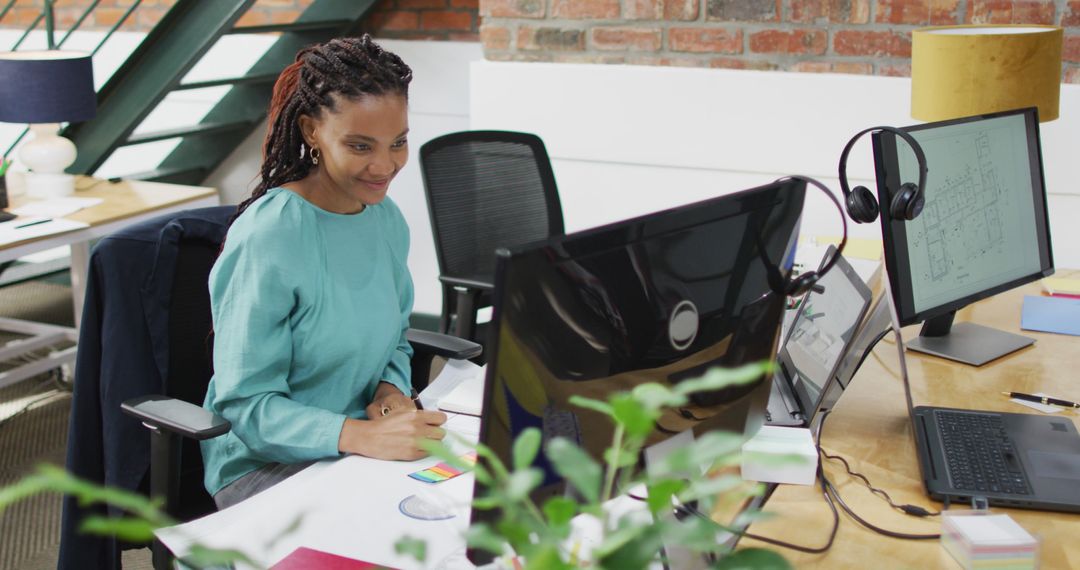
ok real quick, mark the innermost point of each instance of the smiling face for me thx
(362, 145)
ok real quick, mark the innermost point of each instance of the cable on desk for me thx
(913, 510)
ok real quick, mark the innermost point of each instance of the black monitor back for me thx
(659, 298)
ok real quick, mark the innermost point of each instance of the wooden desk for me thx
(125, 203)
(870, 428)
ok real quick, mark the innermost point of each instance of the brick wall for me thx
(398, 19)
(843, 36)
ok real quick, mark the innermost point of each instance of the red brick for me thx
(643, 10)
(512, 8)
(853, 42)
(735, 63)
(683, 10)
(1070, 50)
(262, 3)
(394, 21)
(853, 67)
(743, 10)
(587, 58)
(1011, 12)
(284, 16)
(705, 40)
(463, 37)
(585, 9)
(626, 39)
(494, 37)
(550, 39)
(445, 20)
(1071, 15)
(148, 17)
(660, 60)
(250, 18)
(414, 4)
(918, 12)
(789, 41)
(811, 67)
(660, 9)
(470, 4)
(1072, 75)
(107, 16)
(895, 70)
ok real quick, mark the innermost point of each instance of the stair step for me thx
(200, 129)
(291, 27)
(246, 79)
(179, 175)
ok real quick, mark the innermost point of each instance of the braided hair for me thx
(349, 67)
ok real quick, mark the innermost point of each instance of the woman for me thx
(311, 294)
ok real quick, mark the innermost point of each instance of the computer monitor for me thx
(984, 228)
(659, 298)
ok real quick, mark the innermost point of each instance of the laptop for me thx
(1012, 460)
(805, 382)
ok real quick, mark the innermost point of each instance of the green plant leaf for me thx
(515, 533)
(202, 557)
(546, 557)
(526, 446)
(487, 503)
(626, 457)
(130, 529)
(415, 547)
(574, 465)
(717, 378)
(748, 517)
(661, 492)
(655, 396)
(709, 487)
(591, 404)
(632, 414)
(635, 546)
(756, 558)
(497, 467)
(522, 482)
(482, 536)
(559, 511)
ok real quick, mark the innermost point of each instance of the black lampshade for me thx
(46, 87)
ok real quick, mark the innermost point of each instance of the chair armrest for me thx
(437, 344)
(176, 416)
(476, 283)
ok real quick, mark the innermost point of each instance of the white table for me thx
(124, 203)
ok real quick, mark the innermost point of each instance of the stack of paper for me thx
(979, 539)
(1062, 287)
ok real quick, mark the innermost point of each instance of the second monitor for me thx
(984, 228)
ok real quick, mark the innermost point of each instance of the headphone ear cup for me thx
(802, 284)
(908, 202)
(861, 205)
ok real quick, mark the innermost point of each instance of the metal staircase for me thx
(157, 67)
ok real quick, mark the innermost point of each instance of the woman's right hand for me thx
(395, 436)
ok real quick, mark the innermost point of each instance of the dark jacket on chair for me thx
(123, 353)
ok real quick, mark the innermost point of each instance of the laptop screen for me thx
(822, 331)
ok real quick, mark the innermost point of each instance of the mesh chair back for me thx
(487, 189)
(191, 361)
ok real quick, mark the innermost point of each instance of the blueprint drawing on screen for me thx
(976, 229)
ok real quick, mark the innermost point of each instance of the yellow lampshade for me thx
(958, 71)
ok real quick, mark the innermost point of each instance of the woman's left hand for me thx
(389, 400)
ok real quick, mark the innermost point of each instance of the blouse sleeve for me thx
(253, 294)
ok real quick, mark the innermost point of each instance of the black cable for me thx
(913, 510)
(869, 349)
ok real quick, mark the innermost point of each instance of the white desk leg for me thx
(80, 265)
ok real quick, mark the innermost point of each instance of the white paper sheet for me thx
(1038, 406)
(452, 375)
(10, 232)
(348, 507)
(56, 207)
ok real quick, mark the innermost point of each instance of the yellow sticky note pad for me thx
(1061, 285)
(856, 248)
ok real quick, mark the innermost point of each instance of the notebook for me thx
(817, 340)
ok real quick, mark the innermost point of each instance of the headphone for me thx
(807, 281)
(908, 201)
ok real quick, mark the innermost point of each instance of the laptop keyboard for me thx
(979, 453)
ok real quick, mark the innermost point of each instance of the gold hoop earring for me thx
(315, 154)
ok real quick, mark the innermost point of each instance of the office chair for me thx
(485, 189)
(175, 303)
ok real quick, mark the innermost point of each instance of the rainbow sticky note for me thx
(443, 471)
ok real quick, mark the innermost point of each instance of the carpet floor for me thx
(33, 430)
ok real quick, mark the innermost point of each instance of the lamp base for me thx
(45, 185)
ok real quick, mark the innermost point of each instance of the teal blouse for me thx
(310, 311)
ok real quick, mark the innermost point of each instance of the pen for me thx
(416, 399)
(33, 223)
(1042, 399)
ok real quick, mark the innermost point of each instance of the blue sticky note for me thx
(1051, 314)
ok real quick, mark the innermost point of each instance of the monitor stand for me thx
(966, 342)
